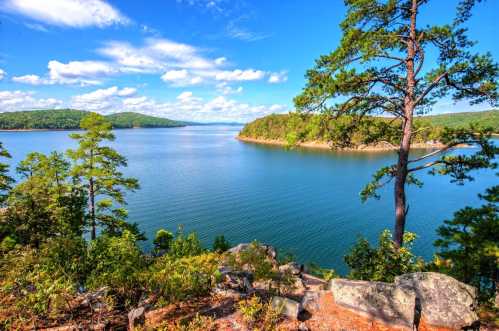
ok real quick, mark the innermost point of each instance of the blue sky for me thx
(203, 60)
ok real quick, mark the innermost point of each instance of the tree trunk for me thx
(91, 206)
(405, 144)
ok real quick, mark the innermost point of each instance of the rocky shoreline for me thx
(425, 301)
(380, 147)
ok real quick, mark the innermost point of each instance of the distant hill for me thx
(66, 119)
(293, 128)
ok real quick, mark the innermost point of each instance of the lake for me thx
(301, 201)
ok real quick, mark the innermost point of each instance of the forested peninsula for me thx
(370, 133)
(69, 119)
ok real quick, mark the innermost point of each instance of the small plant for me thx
(162, 241)
(221, 244)
(251, 309)
(385, 262)
(198, 323)
(324, 273)
(185, 245)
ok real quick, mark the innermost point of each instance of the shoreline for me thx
(386, 147)
(78, 129)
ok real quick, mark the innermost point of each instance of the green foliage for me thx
(98, 166)
(350, 131)
(251, 308)
(5, 180)
(260, 315)
(384, 262)
(70, 119)
(117, 262)
(318, 271)
(198, 323)
(162, 241)
(185, 245)
(469, 245)
(220, 244)
(255, 260)
(41, 281)
(49, 202)
(178, 278)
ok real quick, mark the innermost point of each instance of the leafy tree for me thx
(469, 244)
(98, 166)
(48, 202)
(384, 262)
(220, 244)
(185, 244)
(5, 180)
(162, 241)
(381, 67)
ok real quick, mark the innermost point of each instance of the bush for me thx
(185, 245)
(174, 279)
(258, 314)
(384, 262)
(117, 262)
(40, 283)
(162, 241)
(221, 244)
(326, 274)
(255, 260)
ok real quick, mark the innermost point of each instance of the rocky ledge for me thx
(424, 301)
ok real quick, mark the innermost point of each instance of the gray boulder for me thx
(287, 307)
(442, 300)
(136, 317)
(382, 301)
(292, 267)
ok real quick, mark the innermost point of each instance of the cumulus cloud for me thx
(2, 74)
(30, 79)
(278, 77)
(18, 100)
(226, 89)
(67, 13)
(240, 75)
(103, 100)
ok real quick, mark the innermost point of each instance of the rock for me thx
(269, 250)
(287, 307)
(136, 317)
(310, 301)
(384, 302)
(443, 301)
(240, 281)
(302, 327)
(292, 268)
(228, 293)
(157, 316)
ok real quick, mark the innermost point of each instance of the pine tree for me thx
(5, 180)
(381, 67)
(98, 166)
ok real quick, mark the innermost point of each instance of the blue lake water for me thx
(301, 201)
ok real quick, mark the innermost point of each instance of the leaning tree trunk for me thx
(405, 144)
(91, 206)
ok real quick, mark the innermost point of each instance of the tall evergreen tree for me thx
(381, 67)
(470, 243)
(5, 180)
(47, 202)
(99, 166)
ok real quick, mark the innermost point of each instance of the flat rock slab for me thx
(287, 307)
(376, 300)
(442, 300)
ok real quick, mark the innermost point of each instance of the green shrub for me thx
(221, 244)
(384, 262)
(40, 282)
(256, 260)
(318, 271)
(174, 279)
(162, 241)
(116, 262)
(185, 245)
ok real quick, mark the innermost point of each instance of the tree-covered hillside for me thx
(60, 119)
(294, 127)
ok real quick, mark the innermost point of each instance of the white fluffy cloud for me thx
(278, 77)
(67, 13)
(240, 75)
(103, 100)
(2, 74)
(226, 89)
(30, 79)
(18, 100)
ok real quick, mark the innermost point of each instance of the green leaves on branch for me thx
(384, 262)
